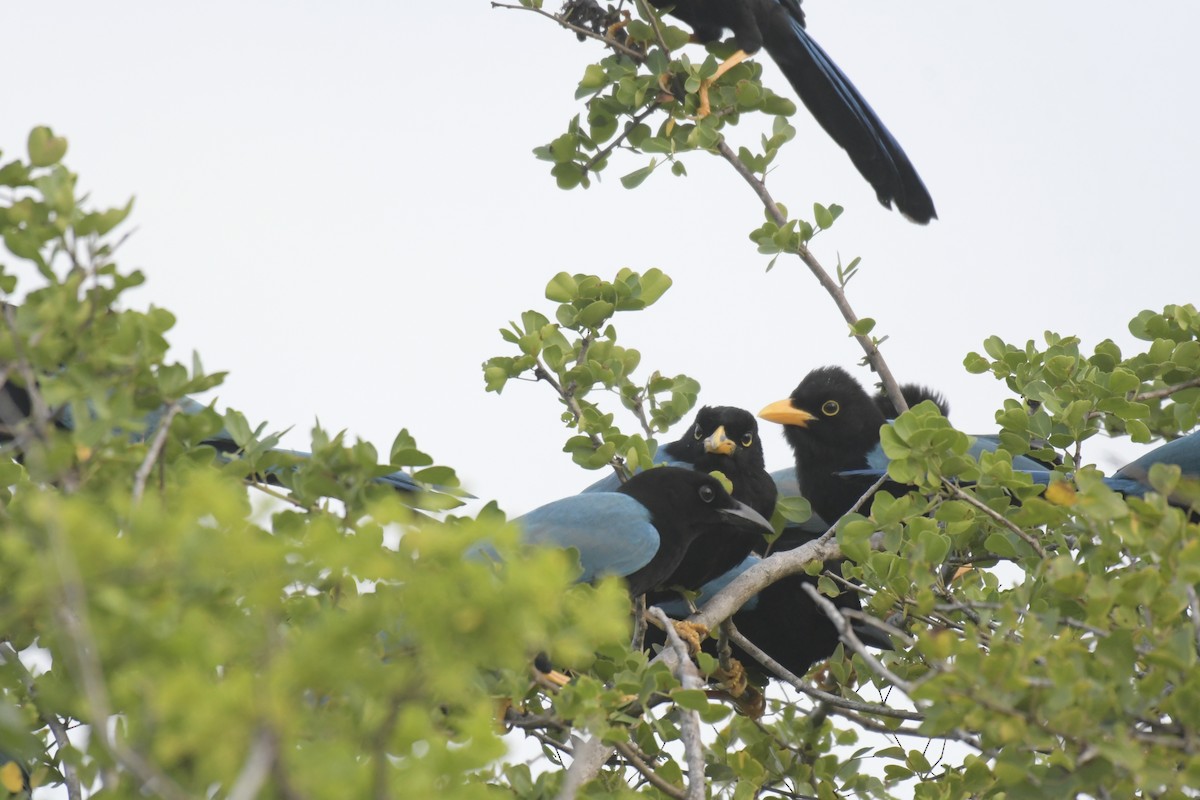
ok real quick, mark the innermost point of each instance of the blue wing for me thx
(611, 531)
(1184, 452)
(679, 609)
(223, 441)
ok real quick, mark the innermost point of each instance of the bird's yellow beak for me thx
(720, 443)
(783, 412)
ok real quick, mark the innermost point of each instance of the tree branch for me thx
(828, 283)
(851, 640)
(972, 500)
(615, 45)
(10, 657)
(825, 697)
(689, 721)
(156, 446)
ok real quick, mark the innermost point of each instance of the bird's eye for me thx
(747, 439)
(699, 434)
(830, 408)
(707, 494)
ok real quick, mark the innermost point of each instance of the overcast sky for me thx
(339, 202)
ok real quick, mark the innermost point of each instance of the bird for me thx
(1133, 479)
(779, 26)
(784, 622)
(832, 425)
(795, 534)
(721, 439)
(642, 531)
(16, 405)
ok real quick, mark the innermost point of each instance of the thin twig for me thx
(851, 640)
(608, 148)
(630, 755)
(689, 721)
(9, 656)
(615, 45)
(971, 499)
(653, 19)
(156, 446)
(827, 282)
(799, 685)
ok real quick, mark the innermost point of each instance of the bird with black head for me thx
(644, 529)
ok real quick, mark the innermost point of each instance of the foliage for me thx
(340, 644)
(335, 646)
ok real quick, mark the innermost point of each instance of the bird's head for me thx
(830, 411)
(692, 500)
(721, 434)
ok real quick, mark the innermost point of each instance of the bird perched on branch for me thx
(15, 409)
(784, 622)
(832, 425)
(721, 439)
(778, 25)
(643, 530)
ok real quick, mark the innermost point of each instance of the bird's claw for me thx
(692, 634)
(733, 678)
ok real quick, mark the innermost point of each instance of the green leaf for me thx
(635, 178)
(45, 148)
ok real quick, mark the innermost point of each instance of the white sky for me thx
(339, 202)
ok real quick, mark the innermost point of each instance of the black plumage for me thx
(724, 439)
(778, 25)
(832, 425)
(643, 530)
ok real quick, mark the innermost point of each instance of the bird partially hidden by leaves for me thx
(783, 620)
(16, 407)
(779, 26)
(832, 426)
(643, 530)
(721, 439)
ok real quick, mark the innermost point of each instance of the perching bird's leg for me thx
(726, 65)
(692, 634)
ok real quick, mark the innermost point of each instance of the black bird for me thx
(785, 622)
(832, 425)
(643, 530)
(722, 439)
(725, 439)
(829, 95)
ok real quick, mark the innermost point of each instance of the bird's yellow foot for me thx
(692, 634)
(611, 33)
(733, 679)
(705, 107)
(751, 703)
